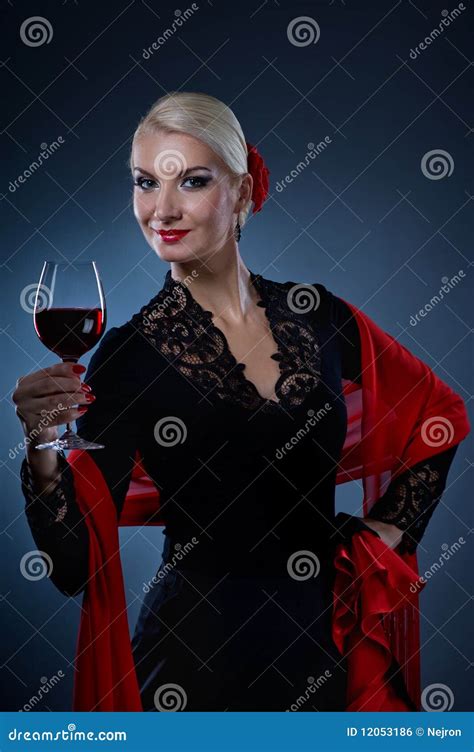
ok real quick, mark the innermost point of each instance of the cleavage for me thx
(253, 346)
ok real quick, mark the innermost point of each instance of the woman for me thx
(232, 393)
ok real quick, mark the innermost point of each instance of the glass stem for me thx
(69, 360)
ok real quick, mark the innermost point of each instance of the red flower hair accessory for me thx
(260, 173)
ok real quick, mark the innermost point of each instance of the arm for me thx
(401, 515)
(411, 499)
(54, 517)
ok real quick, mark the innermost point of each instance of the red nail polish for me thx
(85, 388)
(90, 397)
(83, 408)
(78, 368)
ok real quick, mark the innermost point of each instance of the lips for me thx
(172, 234)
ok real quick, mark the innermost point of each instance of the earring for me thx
(238, 231)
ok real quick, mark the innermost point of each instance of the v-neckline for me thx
(240, 367)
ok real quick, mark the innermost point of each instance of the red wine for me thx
(70, 332)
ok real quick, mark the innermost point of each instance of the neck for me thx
(222, 286)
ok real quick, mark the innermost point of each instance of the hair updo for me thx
(207, 119)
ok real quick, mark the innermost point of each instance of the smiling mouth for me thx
(172, 233)
(171, 236)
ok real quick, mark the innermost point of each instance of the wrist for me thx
(390, 534)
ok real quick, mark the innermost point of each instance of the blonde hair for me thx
(207, 119)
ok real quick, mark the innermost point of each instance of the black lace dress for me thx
(238, 615)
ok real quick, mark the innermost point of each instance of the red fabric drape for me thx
(373, 583)
(400, 414)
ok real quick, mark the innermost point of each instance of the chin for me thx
(173, 252)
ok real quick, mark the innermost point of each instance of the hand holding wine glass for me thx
(70, 319)
(48, 398)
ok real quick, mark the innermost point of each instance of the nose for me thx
(167, 203)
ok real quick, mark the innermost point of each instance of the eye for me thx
(201, 181)
(140, 182)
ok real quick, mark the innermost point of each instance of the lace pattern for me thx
(184, 333)
(410, 500)
(47, 509)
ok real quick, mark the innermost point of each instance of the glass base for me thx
(69, 440)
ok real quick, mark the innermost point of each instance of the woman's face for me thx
(181, 184)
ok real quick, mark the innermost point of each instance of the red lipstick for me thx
(172, 236)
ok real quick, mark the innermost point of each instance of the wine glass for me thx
(69, 318)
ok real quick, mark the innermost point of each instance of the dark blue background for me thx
(362, 219)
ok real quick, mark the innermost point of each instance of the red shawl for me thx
(403, 413)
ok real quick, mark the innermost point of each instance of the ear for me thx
(244, 192)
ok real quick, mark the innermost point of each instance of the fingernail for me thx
(85, 388)
(90, 397)
(78, 368)
(83, 408)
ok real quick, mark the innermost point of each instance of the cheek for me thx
(142, 206)
(213, 208)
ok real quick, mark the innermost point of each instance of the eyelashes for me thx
(141, 182)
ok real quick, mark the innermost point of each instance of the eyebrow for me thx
(190, 169)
